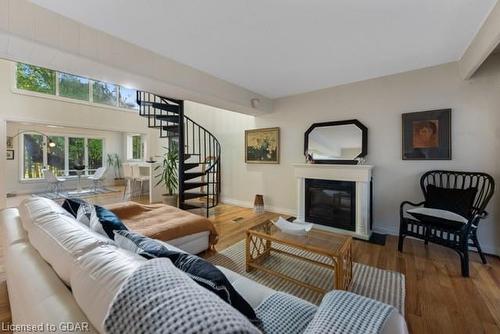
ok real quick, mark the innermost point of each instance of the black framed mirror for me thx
(338, 142)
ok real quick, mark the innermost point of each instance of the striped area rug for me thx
(383, 285)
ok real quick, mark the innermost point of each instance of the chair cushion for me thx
(202, 272)
(436, 216)
(459, 201)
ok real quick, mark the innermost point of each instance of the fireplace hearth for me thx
(331, 203)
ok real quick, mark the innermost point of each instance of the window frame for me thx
(57, 97)
(143, 147)
(66, 136)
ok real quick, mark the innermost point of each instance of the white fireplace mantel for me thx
(360, 174)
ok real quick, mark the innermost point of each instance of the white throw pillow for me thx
(96, 225)
(422, 213)
(61, 239)
(96, 278)
(84, 213)
(36, 207)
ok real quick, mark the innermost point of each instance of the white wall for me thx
(74, 117)
(378, 103)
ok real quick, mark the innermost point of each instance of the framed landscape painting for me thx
(427, 135)
(262, 146)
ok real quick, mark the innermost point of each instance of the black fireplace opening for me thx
(331, 203)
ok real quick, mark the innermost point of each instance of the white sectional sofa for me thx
(57, 276)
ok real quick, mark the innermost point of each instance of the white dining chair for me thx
(53, 182)
(139, 177)
(129, 180)
(98, 178)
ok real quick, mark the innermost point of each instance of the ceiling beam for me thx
(484, 43)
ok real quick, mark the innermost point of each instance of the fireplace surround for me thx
(341, 195)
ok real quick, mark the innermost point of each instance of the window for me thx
(104, 93)
(76, 154)
(73, 87)
(95, 156)
(55, 155)
(61, 159)
(33, 156)
(128, 98)
(135, 147)
(35, 79)
(42, 80)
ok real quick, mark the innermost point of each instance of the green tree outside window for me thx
(36, 79)
(73, 86)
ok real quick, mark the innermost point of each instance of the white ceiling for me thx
(284, 47)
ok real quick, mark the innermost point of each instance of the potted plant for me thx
(115, 163)
(168, 176)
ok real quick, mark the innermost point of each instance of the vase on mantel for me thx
(258, 204)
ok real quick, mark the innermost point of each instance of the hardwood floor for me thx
(438, 298)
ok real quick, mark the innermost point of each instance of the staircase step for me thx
(191, 195)
(171, 128)
(168, 118)
(188, 166)
(193, 175)
(190, 155)
(162, 106)
(189, 206)
(192, 185)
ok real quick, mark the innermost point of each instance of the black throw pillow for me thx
(202, 272)
(459, 201)
(72, 205)
(109, 221)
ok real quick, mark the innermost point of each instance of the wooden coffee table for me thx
(336, 248)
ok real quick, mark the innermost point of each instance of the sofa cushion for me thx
(60, 239)
(36, 294)
(104, 221)
(459, 201)
(36, 207)
(202, 272)
(159, 298)
(96, 278)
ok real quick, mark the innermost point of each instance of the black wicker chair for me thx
(455, 236)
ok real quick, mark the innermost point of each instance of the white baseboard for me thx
(246, 204)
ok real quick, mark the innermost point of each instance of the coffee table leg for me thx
(248, 255)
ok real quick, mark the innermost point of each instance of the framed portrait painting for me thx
(427, 135)
(262, 146)
(10, 154)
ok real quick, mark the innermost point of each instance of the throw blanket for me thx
(343, 312)
(282, 313)
(162, 222)
(159, 298)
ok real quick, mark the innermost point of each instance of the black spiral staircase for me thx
(199, 150)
